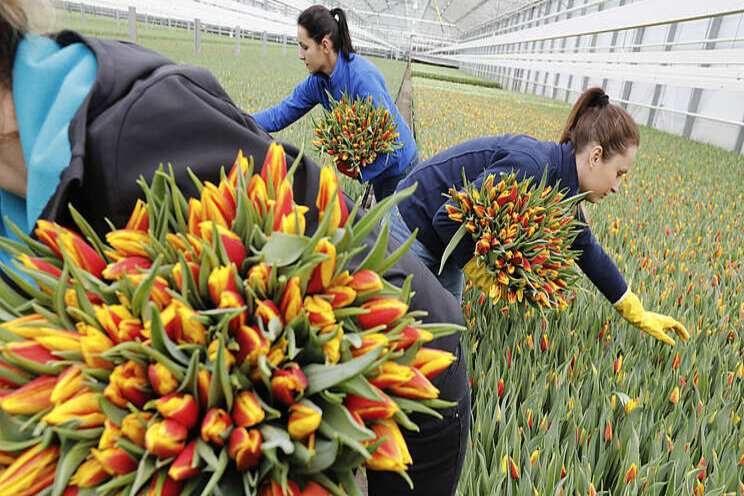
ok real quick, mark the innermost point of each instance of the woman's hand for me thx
(655, 324)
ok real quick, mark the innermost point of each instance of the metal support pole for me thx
(628, 85)
(692, 107)
(197, 36)
(265, 41)
(671, 34)
(82, 11)
(284, 45)
(133, 24)
(118, 19)
(237, 40)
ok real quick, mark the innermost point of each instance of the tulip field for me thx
(578, 403)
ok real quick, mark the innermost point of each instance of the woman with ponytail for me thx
(596, 149)
(326, 49)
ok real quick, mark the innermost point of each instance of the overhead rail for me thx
(636, 15)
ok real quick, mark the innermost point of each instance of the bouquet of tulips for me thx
(210, 347)
(522, 233)
(355, 133)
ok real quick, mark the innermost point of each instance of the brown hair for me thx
(13, 27)
(594, 120)
(319, 22)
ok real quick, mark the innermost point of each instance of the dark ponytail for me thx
(593, 119)
(320, 22)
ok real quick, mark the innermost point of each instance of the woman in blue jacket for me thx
(326, 50)
(596, 149)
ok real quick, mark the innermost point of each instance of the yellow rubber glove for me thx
(655, 324)
(478, 275)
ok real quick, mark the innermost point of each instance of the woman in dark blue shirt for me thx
(596, 149)
(326, 50)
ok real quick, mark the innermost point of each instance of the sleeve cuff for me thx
(627, 291)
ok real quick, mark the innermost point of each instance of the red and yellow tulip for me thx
(245, 447)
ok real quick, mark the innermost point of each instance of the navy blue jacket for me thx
(523, 154)
(358, 77)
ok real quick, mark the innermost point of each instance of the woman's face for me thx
(600, 176)
(313, 54)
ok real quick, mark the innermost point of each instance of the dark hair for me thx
(321, 22)
(13, 27)
(594, 120)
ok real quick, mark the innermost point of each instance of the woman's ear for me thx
(595, 155)
(326, 45)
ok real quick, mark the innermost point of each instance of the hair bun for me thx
(603, 100)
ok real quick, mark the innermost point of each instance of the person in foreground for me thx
(82, 118)
(326, 49)
(596, 149)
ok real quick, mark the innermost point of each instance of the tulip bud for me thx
(274, 169)
(128, 382)
(332, 348)
(216, 426)
(92, 344)
(321, 276)
(419, 387)
(258, 195)
(247, 410)
(365, 280)
(182, 467)
(40, 265)
(83, 407)
(234, 247)
(90, 473)
(273, 488)
(30, 398)
(319, 311)
(217, 206)
(513, 469)
(31, 350)
(410, 335)
(115, 460)
(288, 384)
(392, 373)
(674, 397)
(139, 220)
(204, 380)
(181, 325)
(221, 279)
(129, 243)
(179, 407)
(342, 296)
(134, 428)
(267, 310)
(304, 419)
(328, 187)
(431, 362)
(80, 253)
(68, 385)
(251, 344)
(618, 364)
(118, 322)
(129, 266)
(245, 447)
(368, 409)
(392, 454)
(608, 432)
(166, 438)
(31, 472)
(382, 312)
(291, 302)
(162, 380)
(212, 350)
(170, 487)
(111, 433)
(369, 343)
(177, 273)
(631, 473)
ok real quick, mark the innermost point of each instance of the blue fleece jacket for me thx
(49, 84)
(358, 77)
(425, 209)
